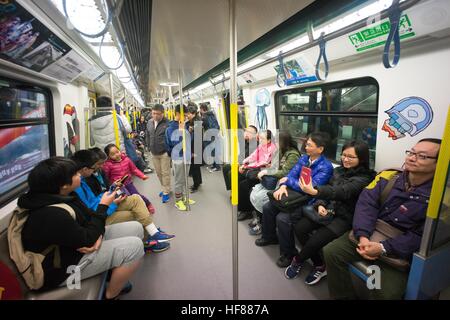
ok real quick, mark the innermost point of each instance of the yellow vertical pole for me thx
(113, 105)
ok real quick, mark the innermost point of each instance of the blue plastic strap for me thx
(280, 75)
(394, 35)
(323, 53)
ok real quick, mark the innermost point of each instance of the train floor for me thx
(198, 265)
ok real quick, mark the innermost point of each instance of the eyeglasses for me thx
(343, 156)
(419, 156)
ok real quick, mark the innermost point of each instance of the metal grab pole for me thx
(113, 106)
(234, 145)
(183, 132)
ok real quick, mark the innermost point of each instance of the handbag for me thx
(288, 203)
(269, 182)
(383, 231)
(252, 174)
(314, 216)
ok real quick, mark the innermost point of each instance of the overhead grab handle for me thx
(322, 54)
(394, 35)
(281, 76)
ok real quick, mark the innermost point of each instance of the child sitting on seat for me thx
(119, 165)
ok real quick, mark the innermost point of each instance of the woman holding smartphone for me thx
(332, 213)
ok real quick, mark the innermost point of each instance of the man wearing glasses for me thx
(404, 208)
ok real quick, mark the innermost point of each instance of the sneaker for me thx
(148, 170)
(261, 242)
(253, 223)
(315, 275)
(126, 288)
(256, 230)
(190, 201)
(284, 261)
(158, 247)
(180, 205)
(293, 270)
(193, 189)
(161, 194)
(165, 198)
(161, 237)
(151, 208)
(214, 169)
(244, 215)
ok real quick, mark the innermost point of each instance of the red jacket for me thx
(115, 170)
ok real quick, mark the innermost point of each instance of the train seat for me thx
(91, 289)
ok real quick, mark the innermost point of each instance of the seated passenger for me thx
(321, 172)
(250, 144)
(123, 208)
(404, 208)
(289, 154)
(118, 165)
(332, 214)
(118, 247)
(260, 159)
(98, 182)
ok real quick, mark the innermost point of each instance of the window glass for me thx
(21, 148)
(340, 129)
(18, 104)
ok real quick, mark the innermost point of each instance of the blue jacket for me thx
(91, 201)
(321, 172)
(405, 210)
(174, 142)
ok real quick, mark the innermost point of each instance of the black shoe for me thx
(244, 215)
(261, 242)
(284, 261)
(193, 189)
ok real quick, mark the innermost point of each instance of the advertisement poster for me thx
(25, 41)
(297, 71)
(71, 134)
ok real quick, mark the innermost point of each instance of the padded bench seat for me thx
(91, 289)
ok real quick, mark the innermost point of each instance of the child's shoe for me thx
(158, 247)
(160, 237)
(190, 201)
(165, 198)
(180, 205)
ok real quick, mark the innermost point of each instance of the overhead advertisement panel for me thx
(297, 71)
(27, 42)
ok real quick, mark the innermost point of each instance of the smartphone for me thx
(123, 179)
(306, 175)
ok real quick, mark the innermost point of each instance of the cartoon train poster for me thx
(71, 130)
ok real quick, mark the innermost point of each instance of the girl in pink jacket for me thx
(118, 165)
(262, 156)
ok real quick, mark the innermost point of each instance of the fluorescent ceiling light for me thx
(169, 84)
(200, 87)
(288, 47)
(250, 64)
(365, 12)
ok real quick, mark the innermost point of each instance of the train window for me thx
(25, 134)
(346, 110)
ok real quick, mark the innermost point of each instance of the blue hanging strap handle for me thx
(281, 76)
(394, 35)
(323, 53)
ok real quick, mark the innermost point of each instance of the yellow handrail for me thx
(116, 128)
(234, 153)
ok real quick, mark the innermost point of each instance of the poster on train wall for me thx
(71, 130)
(376, 35)
(27, 42)
(297, 71)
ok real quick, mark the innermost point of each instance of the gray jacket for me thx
(156, 136)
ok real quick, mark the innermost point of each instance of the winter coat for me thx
(341, 195)
(102, 130)
(321, 172)
(281, 168)
(156, 142)
(91, 200)
(261, 157)
(114, 170)
(174, 140)
(48, 226)
(98, 182)
(403, 209)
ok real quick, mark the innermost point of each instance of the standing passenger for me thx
(156, 129)
(194, 125)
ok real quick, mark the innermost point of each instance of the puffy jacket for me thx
(341, 194)
(281, 168)
(321, 172)
(174, 142)
(405, 210)
(261, 157)
(115, 170)
(90, 200)
(210, 121)
(48, 226)
(102, 130)
(156, 142)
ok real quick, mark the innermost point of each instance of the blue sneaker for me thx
(160, 194)
(293, 270)
(126, 288)
(161, 237)
(165, 198)
(316, 274)
(156, 246)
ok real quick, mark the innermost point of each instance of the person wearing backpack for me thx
(404, 208)
(56, 218)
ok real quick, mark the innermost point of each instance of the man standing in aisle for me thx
(156, 129)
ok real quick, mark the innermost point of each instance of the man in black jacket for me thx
(156, 129)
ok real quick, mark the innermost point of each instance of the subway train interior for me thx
(262, 147)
